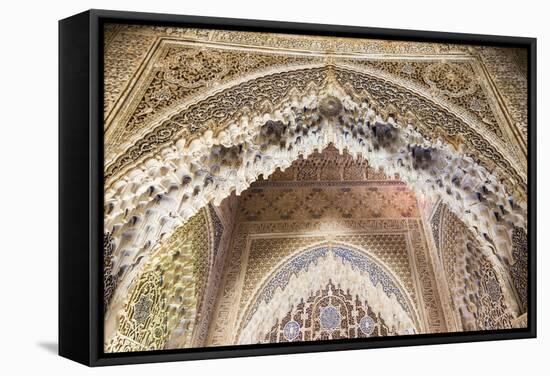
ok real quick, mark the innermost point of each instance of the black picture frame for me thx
(81, 186)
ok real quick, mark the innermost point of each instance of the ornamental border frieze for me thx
(336, 44)
(228, 292)
(430, 293)
(507, 82)
(298, 42)
(501, 112)
(361, 225)
(313, 183)
(123, 67)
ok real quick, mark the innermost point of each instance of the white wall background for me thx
(28, 123)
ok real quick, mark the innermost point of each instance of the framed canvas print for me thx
(237, 187)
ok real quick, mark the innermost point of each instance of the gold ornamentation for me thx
(194, 68)
(167, 87)
(330, 106)
(449, 79)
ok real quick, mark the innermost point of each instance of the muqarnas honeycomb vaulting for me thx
(265, 188)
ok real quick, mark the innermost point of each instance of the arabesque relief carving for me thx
(266, 187)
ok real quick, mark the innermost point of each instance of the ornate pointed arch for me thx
(304, 272)
(263, 93)
(224, 141)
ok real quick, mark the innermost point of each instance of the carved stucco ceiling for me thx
(327, 184)
(327, 165)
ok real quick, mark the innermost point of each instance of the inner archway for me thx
(359, 292)
(329, 196)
